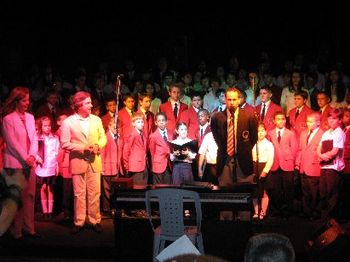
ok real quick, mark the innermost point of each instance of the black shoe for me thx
(76, 229)
(33, 235)
(97, 228)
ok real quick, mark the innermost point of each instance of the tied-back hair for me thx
(40, 122)
(17, 94)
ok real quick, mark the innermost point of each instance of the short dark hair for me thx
(269, 247)
(302, 93)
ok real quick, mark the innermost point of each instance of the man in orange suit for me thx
(173, 108)
(83, 136)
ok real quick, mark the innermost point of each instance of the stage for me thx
(225, 239)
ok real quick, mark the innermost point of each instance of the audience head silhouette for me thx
(270, 247)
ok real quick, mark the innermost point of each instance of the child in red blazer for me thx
(134, 151)
(111, 155)
(308, 164)
(281, 179)
(160, 151)
(345, 195)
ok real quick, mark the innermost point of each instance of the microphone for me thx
(232, 112)
(120, 76)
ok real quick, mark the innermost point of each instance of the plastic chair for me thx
(171, 212)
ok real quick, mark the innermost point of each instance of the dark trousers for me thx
(162, 178)
(106, 192)
(310, 192)
(139, 178)
(345, 197)
(281, 191)
(329, 190)
(67, 198)
(209, 174)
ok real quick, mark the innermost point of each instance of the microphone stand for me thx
(117, 92)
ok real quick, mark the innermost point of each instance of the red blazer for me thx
(285, 151)
(105, 120)
(268, 119)
(149, 126)
(159, 150)
(298, 125)
(134, 153)
(249, 108)
(125, 124)
(324, 118)
(347, 152)
(111, 155)
(307, 158)
(190, 118)
(168, 110)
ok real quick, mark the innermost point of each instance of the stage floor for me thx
(225, 239)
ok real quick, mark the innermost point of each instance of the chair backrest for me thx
(171, 209)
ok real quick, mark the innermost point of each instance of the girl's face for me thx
(261, 133)
(182, 131)
(46, 127)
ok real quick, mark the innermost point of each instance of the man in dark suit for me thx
(234, 165)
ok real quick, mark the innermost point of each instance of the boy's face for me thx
(265, 95)
(299, 101)
(138, 124)
(322, 100)
(161, 122)
(346, 118)
(222, 98)
(60, 119)
(145, 103)
(261, 133)
(203, 118)
(312, 123)
(129, 103)
(333, 122)
(280, 121)
(175, 93)
(111, 106)
(197, 102)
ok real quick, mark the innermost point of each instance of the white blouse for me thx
(265, 153)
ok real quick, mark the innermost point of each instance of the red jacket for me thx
(268, 119)
(160, 151)
(307, 158)
(298, 125)
(285, 151)
(190, 118)
(168, 110)
(134, 153)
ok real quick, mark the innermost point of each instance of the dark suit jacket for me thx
(246, 137)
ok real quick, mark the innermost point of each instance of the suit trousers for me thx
(87, 191)
(329, 190)
(24, 219)
(310, 189)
